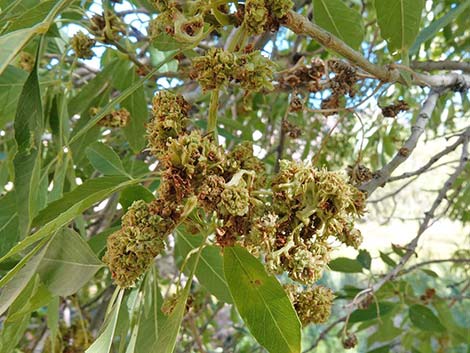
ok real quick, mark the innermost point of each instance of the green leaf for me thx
(424, 319)
(8, 222)
(53, 320)
(11, 83)
(104, 159)
(35, 23)
(210, 271)
(96, 87)
(105, 340)
(164, 42)
(29, 118)
(340, 20)
(371, 312)
(33, 16)
(39, 297)
(136, 104)
(381, 349)
(399, 21)
(68, 263)
(133, 193)
(11, 45)
(13, 330)
(27, 176)
(429, 32)
(21, 275)
(62, 211)
(343, 264)
(387, 259)
(430, 273)
(168, 331)
(151, 318)
(262, 302)
(364, 258)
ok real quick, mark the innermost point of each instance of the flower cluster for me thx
(252, 71)
(312, 205)
(82, 45)
(26, 61)
(132, 248)
(170, 120)
(115, 119)
(264, 15)
(312, 305)
(289, 220)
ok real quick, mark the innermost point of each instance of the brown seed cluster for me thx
(392, 110)
(304, 76)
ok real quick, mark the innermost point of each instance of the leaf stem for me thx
(212, 119)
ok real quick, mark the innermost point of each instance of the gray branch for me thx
(383, 175)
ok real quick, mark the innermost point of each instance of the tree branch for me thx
(300, 25)
(446, 65)
(434, 159)
(424, 263)
(411, 247)
(417, 130)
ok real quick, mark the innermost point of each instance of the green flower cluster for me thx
(312, 206)
(132, 248)
(289, 220)
(264, 15)
(312, 305)
(196, 171)
(170, 120)
(252, 71)
(82, 44)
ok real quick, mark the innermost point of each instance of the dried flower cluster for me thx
(252, 71)
(184, 24)
(82, 45)
(115, 119)
(107, 28)
(312, 305)
(290, 219)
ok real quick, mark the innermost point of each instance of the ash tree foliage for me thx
(176, 176)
